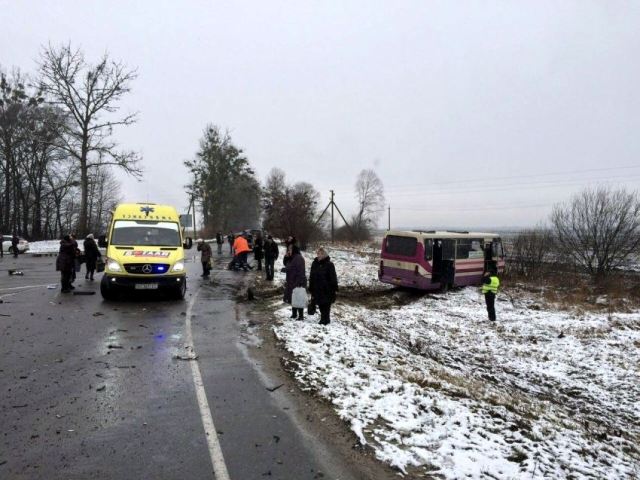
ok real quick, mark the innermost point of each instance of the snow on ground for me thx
(49, 246)
(46, 246)
(432, 386)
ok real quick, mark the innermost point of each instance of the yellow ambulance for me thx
(145, 251)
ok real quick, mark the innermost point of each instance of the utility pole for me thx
(332, 203)
(193, 206)
(389, 218)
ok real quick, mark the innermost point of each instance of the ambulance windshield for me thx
(145, 233)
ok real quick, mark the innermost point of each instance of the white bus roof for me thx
(440, 234)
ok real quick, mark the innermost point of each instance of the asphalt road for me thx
(93, 389)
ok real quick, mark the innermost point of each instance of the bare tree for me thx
(599, 229)
(17, 105)
(89, 94)
(105, 192)
(290, 209)
(370, 193)
(532, 249)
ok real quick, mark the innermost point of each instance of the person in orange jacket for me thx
(241, 248)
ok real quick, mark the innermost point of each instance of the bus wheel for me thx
(107, 290)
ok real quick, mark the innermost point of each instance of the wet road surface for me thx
(93, 389)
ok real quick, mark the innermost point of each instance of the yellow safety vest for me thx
(491, 287)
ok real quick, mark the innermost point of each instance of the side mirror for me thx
(188, 243)
(102, 241)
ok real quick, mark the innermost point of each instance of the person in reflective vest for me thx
(241, 248)
(490, 284)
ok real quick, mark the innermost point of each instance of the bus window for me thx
(469, 248)
(496, 248)
(403, 246)
(428, 249)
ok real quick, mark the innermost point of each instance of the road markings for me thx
(217, 460)
(24, 286)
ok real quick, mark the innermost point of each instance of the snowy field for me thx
(436, 389)
(45, 246)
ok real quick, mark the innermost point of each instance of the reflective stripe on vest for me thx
(491, 287)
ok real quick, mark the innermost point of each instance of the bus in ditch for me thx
(438, 260)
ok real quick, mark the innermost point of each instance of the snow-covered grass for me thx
(49, 246)
(432, 386)
(45, 246)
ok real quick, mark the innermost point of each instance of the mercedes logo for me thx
(146, 268)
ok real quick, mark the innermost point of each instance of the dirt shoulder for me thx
(315, 415)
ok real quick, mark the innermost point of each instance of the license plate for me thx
(146, 286)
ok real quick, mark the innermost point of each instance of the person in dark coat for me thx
(65, 263)
(258, 250)
(296, 277)
(230, 238)
(291, 240)
(219, 241)
(14, 244)
(205, 257)
(91, 255)
(77, 259)
(271, 253)
(323, 284)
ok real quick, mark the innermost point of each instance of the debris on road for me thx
(97, 314)
(16, 273)
(100, 389)
(273, 389)
(114, 346)
(186, 357)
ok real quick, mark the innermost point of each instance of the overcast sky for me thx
(472, 113)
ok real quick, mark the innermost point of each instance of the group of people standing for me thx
(323, 282)
(70, 259)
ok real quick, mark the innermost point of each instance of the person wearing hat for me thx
(205, 256)
(271, 253)
(91, 255)
(65, 262)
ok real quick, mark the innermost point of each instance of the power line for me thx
(511, 177)
(512, 186)
(473, 209)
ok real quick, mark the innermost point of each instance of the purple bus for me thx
(435, 260)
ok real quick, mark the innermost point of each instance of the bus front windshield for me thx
(145, 233)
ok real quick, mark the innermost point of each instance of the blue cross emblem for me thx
(147, 210)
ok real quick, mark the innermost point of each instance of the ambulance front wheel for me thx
(107, 291)
(181, 290)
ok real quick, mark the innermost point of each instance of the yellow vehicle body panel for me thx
(151, 260)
